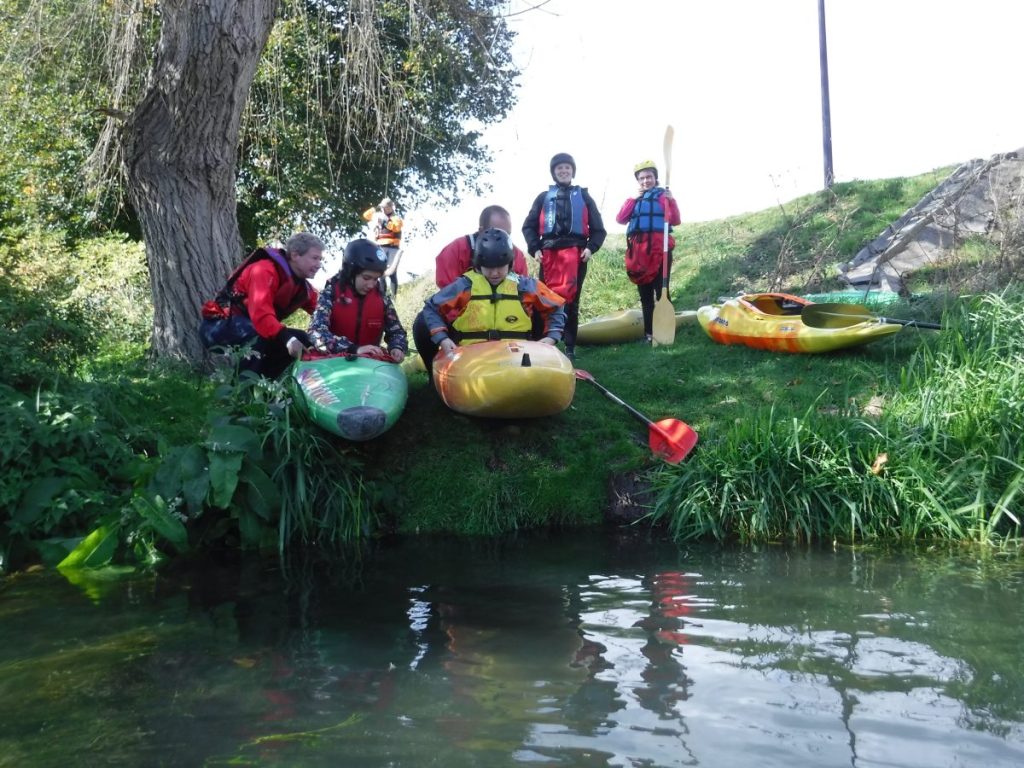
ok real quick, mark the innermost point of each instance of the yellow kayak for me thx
(505, 379)
(772, 321)
(622, 326)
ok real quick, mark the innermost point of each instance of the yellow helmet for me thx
(645, 165)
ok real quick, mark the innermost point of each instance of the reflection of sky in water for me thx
(699, 689)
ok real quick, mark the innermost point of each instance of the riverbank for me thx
(107, 443)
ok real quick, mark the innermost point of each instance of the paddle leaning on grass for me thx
(670, 439)
(847, 315)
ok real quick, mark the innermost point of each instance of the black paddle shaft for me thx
(616, 399)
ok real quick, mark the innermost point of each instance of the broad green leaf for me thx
(95, 550)
(232, 438)
(261, 495)
(224, 468)
(251, 529)
(38, 497)
(166, 524)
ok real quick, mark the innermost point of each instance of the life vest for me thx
(492, 312)
(648, 213)
(291, 293)
(385, 236)
(572, 222)
(360, 319)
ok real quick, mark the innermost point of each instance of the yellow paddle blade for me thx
(663, 326)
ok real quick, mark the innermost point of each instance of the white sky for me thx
(914, 85)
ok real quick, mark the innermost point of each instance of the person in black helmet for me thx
(352, 313)
(487, 303)
(563, 230)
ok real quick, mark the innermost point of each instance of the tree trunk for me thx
(180, 157)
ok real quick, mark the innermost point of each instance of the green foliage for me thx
(62, 466)
(944, 460)
(313, 151)
(56, 303)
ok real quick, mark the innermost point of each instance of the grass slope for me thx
(449, 472)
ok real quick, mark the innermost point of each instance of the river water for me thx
(568, 649)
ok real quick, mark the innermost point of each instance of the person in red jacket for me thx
(353, 314)
(563, 230)
(456, 258)
(645, 216)
(264, 290)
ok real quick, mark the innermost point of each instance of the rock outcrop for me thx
(981, 198)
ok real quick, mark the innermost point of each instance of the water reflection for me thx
(542, 650)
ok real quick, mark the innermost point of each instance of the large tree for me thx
(354, 99)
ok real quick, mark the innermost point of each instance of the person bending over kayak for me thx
(353, 314)
(645, 216)
(488, 303)
(265, 289)
(563, 230)
(456, 258)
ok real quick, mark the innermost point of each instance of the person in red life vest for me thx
(563, 230)
(387, 231)
(263, 291)
(456, 258)
(488, 302)
(645, 216)
(352, 315)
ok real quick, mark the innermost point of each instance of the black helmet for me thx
(562, 157)
(493, 249)
(363, 254)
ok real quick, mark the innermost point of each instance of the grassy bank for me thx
(912, 437)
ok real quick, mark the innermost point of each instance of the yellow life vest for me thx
(492, 312)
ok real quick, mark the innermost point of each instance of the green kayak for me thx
(357, 398)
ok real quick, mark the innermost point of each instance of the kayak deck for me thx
(505, 379)
(356, 398)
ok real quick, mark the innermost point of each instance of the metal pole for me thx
(826, 115)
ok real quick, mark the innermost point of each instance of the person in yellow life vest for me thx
(387, 233)
(488, 303)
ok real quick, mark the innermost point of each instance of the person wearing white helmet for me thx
(645, 216)
(563, 230)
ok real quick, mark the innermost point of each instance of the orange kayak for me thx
(505, 379)
(772, 321)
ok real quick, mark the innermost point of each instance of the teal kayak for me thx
(357, 398)
(877, 299)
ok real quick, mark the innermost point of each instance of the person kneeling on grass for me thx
(487, 303)
(352, 314)
(266, 288)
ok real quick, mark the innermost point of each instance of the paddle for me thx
(663, 324)
(669, 439)
(846, 315)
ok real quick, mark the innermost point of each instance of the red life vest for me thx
(289, 297)
(360, 319)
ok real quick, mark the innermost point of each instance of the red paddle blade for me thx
(671, 440)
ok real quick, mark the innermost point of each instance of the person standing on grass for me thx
(488, 303)
(563, 230)
(352, 315)
(645, 216)
(456, 258)
(387, 231)
(264, 290)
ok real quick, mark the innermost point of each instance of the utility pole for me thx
(826, 114)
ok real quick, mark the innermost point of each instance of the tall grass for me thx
(943, 461)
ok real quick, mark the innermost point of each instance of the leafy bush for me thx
(61, 467)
